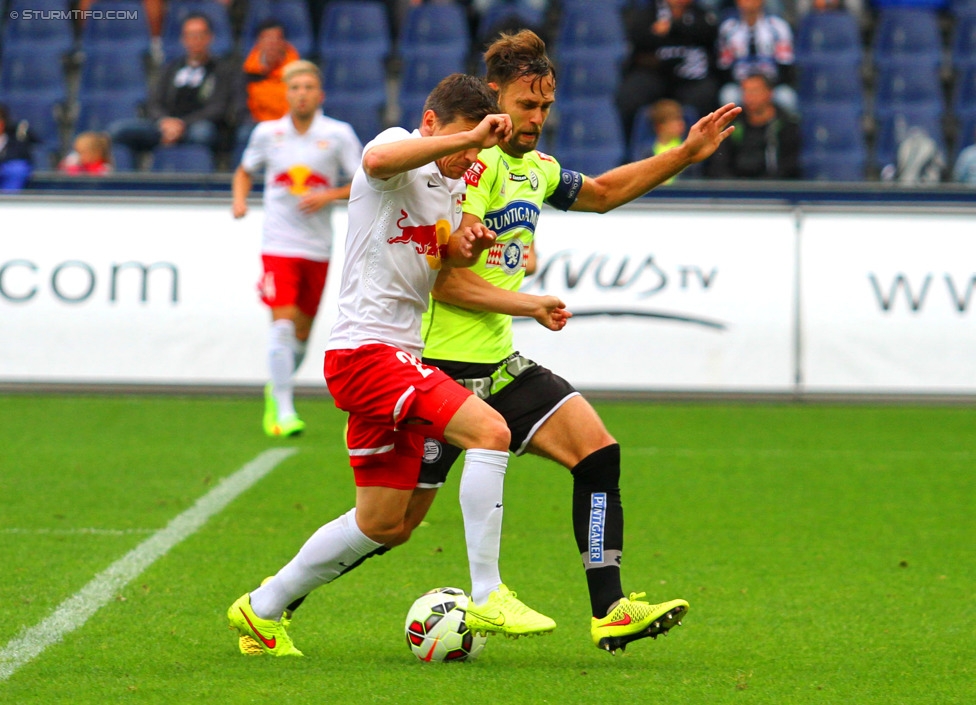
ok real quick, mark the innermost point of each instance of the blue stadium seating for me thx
(130, 35)
(833, 36)
(110, 69)
(594, 75)
(963, 41)
(584, 29)
(96, 111)
(419, 76)
(503, 11)
(435, 30)
(187, 158)
(35, 70)
(907, 83)
(588, 136)
(294, 15)
(910, 33)
(366, 120)
(41, 114)
(828, 81)
(363, 27)
(832, 143)
(894, 125)
(355, 86)
(964, 91)
(53, 36)
(177, 12)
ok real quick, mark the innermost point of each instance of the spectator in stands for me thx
(264, 90)
(669, 128)
(672, 56)
(766, 141)
(755, 42)
(91, 154)
(190, 101)
(15, 153)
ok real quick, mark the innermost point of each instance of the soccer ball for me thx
(436, 628)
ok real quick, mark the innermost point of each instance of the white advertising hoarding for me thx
(667, 300)
(132, 292)
(888, 303)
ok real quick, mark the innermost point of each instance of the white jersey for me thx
(293, 165)
(393, 252)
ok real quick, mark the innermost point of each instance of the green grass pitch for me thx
(827, 553)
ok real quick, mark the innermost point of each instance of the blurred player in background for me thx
(404, 213)
(304, 155)
(546, 415)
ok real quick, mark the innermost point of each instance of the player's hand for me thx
(313, 201)
(494, 129)
(239, 210)
(552, 313)
(171, 129)
(708, 133)
(473, 240)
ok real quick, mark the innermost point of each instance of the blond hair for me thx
(300, 67)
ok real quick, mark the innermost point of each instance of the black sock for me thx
(378, 552)
(598, 525)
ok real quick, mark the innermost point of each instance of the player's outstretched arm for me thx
(240, 187)
(464, 288)
(625, 183)
(384, 161)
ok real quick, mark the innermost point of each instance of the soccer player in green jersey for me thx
(463, 336)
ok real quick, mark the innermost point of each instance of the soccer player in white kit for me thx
(404, 211)
(305, 156)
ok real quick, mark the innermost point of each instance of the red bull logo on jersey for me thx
(299, 179)
(429, 240)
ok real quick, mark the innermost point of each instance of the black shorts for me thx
(524, 393)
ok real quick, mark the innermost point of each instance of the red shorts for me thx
(293, 281)
(394, 401)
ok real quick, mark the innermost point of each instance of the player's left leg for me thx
(575, 437)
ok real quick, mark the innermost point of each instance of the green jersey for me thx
(507, 193)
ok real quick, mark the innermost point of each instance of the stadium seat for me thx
(42, 116)
(911, 33)
(37, 70)
(905, 83)
(98, 110)
(362, 27)
(294, 15)
(435, 30)
(188, 158)
(216, 12)
(421, 72)
(352, 78)
(832, 143)
(894, 125)
(109, 69)
(54, 37)
(964, 91)
(502, 12)
(833, 36)
(594, 75)
(366, 120)
(584, 30)
(130, 35)
(829, 81)
(963, 41)
(588, 136)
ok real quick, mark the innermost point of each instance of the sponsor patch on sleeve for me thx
(473, 175)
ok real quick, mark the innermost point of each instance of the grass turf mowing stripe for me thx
(75, 611)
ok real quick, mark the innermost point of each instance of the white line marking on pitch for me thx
(76, 610)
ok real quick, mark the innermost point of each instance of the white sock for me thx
(482, 488)
(301, 346)
(281, 362)
(323, 558)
